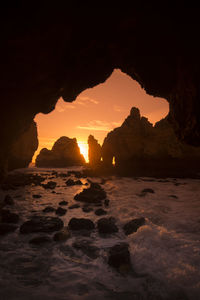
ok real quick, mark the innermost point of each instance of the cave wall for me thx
(53, 50)
(23, 148)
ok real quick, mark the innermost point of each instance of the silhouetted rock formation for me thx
(65, 152)
(137, 145)
(42, 60)
(24, 148)
(94, 151)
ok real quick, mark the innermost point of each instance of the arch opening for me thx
(97, 111)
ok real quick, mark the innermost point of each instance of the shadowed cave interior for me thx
(100, 231)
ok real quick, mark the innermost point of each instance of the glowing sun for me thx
(83, 149)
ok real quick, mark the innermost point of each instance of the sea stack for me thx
(65, 152)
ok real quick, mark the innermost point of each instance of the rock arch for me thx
(57, 50)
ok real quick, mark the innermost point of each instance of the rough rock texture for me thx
(24, 148)
(41, 224)
(94, 151)
(65, 152)
(137, 144)
(44, 57)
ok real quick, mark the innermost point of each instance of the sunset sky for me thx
(97, 111)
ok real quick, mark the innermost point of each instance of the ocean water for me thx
(165, 252)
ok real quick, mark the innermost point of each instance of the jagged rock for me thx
(106, 226)
(80, 224)
(119, 257)
(41, 224)
(61, 211)
(48, 209)
(93, 195)
(8, 200)
(100, 212)
(65, 152)
(94, 151)
(62, 235)
(8, 217)
(7, 228)
(133, 225)
(140, 148)
(23, 149)
(40, 240)
(86, 247)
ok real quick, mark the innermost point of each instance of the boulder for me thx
(65, 152)
(87, 209)
(61, 211)
(36, 196)
(81, 224)
(73, 206)
(107, 226)
(119, 257)
(49, 185)
(133, 225)
(48, 209)
(41, 224)
(93, 195)
(71, 182)
(100, 212)
(63, 203)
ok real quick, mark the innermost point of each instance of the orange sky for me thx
(98, 110)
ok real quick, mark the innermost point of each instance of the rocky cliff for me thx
(24, 148)
(94, 151)
(137, 144)
(65, 152)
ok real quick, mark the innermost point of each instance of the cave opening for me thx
(97, 111)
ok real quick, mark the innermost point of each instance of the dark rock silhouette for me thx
(119, 257)
(107, 226)
(93, 195)
(139, 146)
(41, 224)
(80, 224)
(65, 152)
(133, 225)
(42, 61)
(94, 151)
(24, 148)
